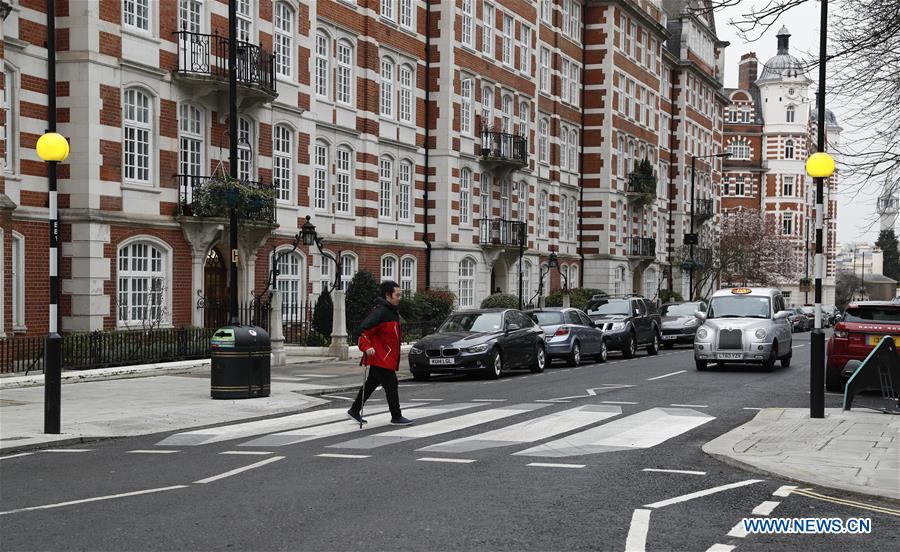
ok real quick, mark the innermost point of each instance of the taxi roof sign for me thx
(741, 291)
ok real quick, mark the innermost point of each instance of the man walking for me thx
(379, 340)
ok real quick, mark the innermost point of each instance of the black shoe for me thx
(401, 421)
(355, 415)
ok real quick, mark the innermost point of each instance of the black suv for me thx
(628, 323)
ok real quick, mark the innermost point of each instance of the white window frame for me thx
(190, 15)
(388, 9)
(385, 187)
(154, 278)
(573, 276)
(505, 197)
(573, 149)
(343, 169)
(566, 22)
(787, 224)
(573, 84)
(245, 17)
(291, 282)
(136, 14)
(246, 141)
(406, 99)
(283, 162)
(522, 201)
(576, 21)
(408, 275)
(544, 141)
(564, 76)
(525, 50)
(349, 264)
(325, 277)
(466, 278)
(344, 73)
(544, 77)
(489, 14)
(739, 149)
(465, 196)
(508, 30)
(564, 148)
(405, 180)
(547, 12)
(542, 212)
(466, 97)
(191, 147)
(387, 73)
(740, 186)
(323, 65)
(788, 186)
(790, 114)
(320, 176)
(137, 139)
(283, 23)
(487, 106)
(389, 267)
(526, 281)
(789, 149)
(10, 131)
(408, 14)
(17, 270)
(467, 23)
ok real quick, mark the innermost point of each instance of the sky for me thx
(855, 210)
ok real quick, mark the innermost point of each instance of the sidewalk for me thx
(856, 450)
(141, 400)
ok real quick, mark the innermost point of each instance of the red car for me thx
(864, 325)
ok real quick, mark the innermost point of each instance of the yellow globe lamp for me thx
(820, 165)
(52, 147)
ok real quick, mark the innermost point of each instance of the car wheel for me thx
(700, 364)
(653, 348)
(574, 358)
(496, 366)
(769, 363)
(540, 361)
(420, 375)
(786, 359)
(630, 347)
(603, 351)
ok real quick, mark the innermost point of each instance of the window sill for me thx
(19, 329)
(140, 34)
(137, 187)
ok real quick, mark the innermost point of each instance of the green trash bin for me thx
(241, 363)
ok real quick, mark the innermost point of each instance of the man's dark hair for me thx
(387, 288)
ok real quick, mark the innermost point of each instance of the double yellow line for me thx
(844, 502)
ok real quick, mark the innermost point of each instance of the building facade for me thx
(421, 138)
(770, 130)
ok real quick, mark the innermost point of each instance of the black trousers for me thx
(388, 380)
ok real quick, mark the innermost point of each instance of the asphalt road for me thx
(589, 434)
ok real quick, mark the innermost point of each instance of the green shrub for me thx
(669, 296)
(500, 300)
(361, 295)
(578, 297)
(433, 304)
(315, 339)
(213, 198)
(323, 314)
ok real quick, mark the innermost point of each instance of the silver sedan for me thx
(569, 334)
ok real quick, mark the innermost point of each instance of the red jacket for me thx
(381, 331)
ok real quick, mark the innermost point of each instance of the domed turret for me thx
(783, 65)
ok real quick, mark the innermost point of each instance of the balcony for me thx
(201, 196)
(704, 210)
(501, 148)
(502, 233)
(640, 247)
(641, 188)
(204, 57)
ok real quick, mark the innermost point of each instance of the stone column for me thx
(276, 333)
(566, 302)
(200, 235)
(339, 347)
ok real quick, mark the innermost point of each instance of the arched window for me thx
(564, 277)
(651, 282)
(142, 284)
(386, 186)
(348, 269)
(790, 113)
(320, 176)
(408, 275)
(789, 149)
(404, 190)
(284, 40)
(466, 282)
(138, 134)
(619, 281)
(526, 281)
(190, 141)
(465, 191)
(543, 143)
(291, 283)
(574, 282)
(282, 162)
(407, 104)
(388, 268)
(387, 87)
(326, 265)
(322, 64)
(344, 76)
(343, 179)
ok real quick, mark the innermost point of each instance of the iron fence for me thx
(296, 322)
(502, 232)
(504, 146)
(640, 247)
(202, 54)
(215, 313)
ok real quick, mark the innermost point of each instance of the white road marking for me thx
(381, 419)
(338, 397)
(305, 375)
(738, 531)
(247, 452)
(645, 429)
(667, 375)
(618, 402)
(95, 499)
(751, 408)
(448, 460)
(551, 465)
(488, 400)
(329, 455)
(686, 472)
(66, 450)
(691, 405)
(765, 508)
(704, 492)
(437, 428)
(720, 548)
(15, 455)
(425, 400)
(157, 451)
(637, 532)
(240, 470)
(529, 431)
(785, 490)
(797, 346)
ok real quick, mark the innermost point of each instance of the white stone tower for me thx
(889, 205)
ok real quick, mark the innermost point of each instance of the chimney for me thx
(747, 70)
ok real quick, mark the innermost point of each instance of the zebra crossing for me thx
(551, 430)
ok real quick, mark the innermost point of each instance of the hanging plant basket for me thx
(219, 195)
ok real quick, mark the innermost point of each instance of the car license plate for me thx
(440, 361)
(669, 337)
(874, 340)
(729, 356)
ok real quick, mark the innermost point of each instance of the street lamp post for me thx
(692, 240)
(308, 236)
(521, 227)
(233, 318)
(552, 262)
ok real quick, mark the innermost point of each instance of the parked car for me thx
(678, 323)
(810, 312)
(487, 341)
(831, 315)
(864, 325)
(569, 334)
(628, 323)
(744, 326)
(799, 321)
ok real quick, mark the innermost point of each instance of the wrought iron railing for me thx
(190, 186)
(503, 146)
(640, 183)
(215, 312)
(207, 55)
(640, 247)
(704, 209)
(502, 232)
